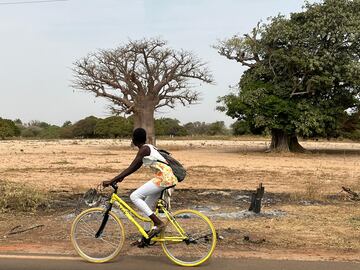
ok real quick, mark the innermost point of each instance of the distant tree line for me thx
(110, 127)
(121, 127)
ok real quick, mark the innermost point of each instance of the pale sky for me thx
(39, 43)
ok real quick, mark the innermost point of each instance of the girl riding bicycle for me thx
(146, 195)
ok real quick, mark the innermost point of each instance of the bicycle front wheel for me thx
(104, 248)
(200, 239)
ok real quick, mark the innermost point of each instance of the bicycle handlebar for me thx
(100, 187)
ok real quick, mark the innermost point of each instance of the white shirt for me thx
(153, 157)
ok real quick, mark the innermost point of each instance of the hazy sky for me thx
(39, 43)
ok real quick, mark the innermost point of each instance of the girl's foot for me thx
(156, 230)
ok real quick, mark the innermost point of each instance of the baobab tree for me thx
(141, 77)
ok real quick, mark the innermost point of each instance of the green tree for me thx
(303, 72)
(18, 122)
(31, 131)
(66, 124)
(66, 132)
(196, 128)
(85, 128)
(114, 127)
(40, 124)
(50, 132)
(240, 127)
(169, 127)
(217, 128)
(350, 125)
(8, 129)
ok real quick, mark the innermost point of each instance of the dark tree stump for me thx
(256, 197)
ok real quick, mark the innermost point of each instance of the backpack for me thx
(178, 170)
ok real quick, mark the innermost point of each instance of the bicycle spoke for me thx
(88, 226)
(108, 242)
(86, 232)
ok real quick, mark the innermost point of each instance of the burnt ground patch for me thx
(198, 199)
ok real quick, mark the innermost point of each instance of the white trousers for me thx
(146, 196)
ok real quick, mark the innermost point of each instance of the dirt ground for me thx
(305, 214)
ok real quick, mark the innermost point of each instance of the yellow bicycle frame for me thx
(130, 213)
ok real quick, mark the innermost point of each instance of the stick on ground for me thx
(14, 231)
(355, 196)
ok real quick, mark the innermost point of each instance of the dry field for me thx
(318, 221)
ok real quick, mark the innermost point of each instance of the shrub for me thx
(8, 129)
(113, 127)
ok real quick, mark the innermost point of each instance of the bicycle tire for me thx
(89, 247)
(182, 253)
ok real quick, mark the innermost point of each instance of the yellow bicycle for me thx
(98, 234)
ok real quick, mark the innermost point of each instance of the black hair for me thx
(139, 136)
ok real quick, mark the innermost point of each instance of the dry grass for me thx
(332, 227)
(313, 191)
(21, 198)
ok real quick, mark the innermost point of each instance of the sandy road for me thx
(28, 262)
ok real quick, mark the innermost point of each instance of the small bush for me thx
(312, 192)
(21, 197)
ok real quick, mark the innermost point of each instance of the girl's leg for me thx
(151, 200)
(145, 196)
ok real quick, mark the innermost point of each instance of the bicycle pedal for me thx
(143, 242)
(142, 245)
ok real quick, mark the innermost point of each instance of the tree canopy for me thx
(169, 127)
(114, 127)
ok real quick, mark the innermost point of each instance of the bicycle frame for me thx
(130, 213)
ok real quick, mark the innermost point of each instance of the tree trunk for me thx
(295, 146)
(144, 118)
(283, 142)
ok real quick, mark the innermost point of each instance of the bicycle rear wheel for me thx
(199, 244)
(104, 248)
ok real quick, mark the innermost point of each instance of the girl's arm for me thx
(134, 166)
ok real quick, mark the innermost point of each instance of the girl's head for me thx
(139, 136)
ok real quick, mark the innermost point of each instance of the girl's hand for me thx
(107, 183)
(110, 182)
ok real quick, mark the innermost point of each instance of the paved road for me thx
(15, 262)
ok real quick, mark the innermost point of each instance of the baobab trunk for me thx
(281, 141)
(144, 118)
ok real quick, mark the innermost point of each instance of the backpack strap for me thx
(162, 150)
(163, 162)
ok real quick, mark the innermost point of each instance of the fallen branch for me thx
(355, 196)
(250, 239)
(14, 231)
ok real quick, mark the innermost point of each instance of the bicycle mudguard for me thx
(104, 221)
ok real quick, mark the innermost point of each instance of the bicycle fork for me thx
(104, 221)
